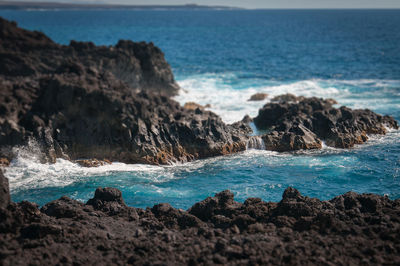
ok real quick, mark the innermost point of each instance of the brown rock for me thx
(193, 106)
(4, 162)
(93, 162)
(258, 97)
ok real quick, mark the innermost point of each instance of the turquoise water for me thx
(221, 58)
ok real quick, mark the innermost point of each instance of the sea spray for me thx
(228, 94)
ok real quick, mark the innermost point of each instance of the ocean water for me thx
(221, 58)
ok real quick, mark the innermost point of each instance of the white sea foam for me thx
(255, 142)
(26, 171)
(230, 101)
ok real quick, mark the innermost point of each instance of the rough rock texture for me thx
(140, 65)
(4, 191)
(351, 229)
(296, 123)
(97, 102)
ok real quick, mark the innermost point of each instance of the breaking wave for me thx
(228, 95)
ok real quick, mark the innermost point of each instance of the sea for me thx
(221, 58)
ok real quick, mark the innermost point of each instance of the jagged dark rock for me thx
(4, 191)
(140, 65)
(100, 103)
(349, 229)
(297, 123)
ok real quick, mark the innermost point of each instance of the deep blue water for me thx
(221, 58)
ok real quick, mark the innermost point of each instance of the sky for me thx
(251, 3)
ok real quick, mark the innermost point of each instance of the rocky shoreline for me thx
(98, 104)
(348, 229)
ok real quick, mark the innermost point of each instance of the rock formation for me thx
(296, 123)
(113, 103)
(258, 97)
(349, 229)
(98, 102)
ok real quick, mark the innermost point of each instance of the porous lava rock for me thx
(348, 229)
(297, 123)
(99, 103)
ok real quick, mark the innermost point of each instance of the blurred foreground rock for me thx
(349, 229)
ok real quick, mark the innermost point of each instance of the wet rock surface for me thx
(103, 103)
(296, 123)
(349, 229)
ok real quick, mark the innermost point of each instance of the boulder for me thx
(258, 97)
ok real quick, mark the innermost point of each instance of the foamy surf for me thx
(228, 95)
(27, 172)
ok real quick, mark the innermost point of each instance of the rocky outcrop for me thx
(296, 123)
(100, 103)
(141, 66)
(112, 103)
(349, 229)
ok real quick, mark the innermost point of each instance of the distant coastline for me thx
(11, 5)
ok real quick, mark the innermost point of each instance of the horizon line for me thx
(65, 5)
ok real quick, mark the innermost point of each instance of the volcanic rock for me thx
(296, 138)
(302, 123)
(140, 65)
(103, 103)
(349, 229)
(4, 191)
